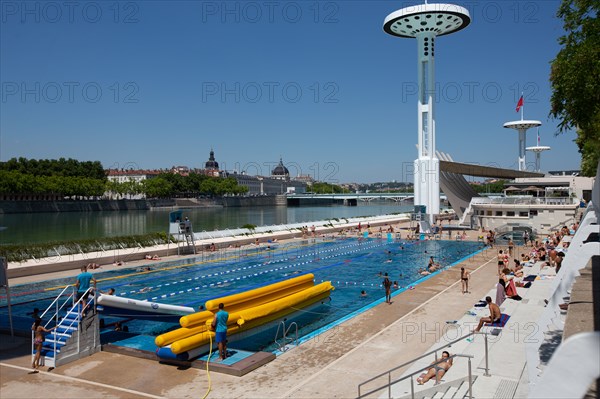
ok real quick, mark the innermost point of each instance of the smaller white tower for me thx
(522, 126)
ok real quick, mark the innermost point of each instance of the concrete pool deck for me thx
(329, 365)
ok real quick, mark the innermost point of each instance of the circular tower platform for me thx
(538, 148)
(522, 125)
(440, 19)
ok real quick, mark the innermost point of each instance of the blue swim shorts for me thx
(220, 336)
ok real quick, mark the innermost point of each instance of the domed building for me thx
(280, 171)
(211, 166)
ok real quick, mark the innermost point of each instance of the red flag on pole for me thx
(520, 103)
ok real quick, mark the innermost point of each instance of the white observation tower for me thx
(522, 126)
(425, 22)
(537, 150)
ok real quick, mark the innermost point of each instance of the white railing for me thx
(419, 371)
(518, 200)
(435, 351)
(210, 235)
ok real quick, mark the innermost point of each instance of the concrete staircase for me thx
(456, 389)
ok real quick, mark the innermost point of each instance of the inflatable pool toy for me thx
(111, 305)
(250, 312)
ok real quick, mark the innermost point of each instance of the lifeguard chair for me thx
(182, 229)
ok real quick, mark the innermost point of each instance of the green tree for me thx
(495, 187)
(157, 188)
(575, 79)
(326, 188)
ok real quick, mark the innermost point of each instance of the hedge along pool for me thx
(352, 265)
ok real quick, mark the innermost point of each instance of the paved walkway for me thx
(330, 365)
(506, 350)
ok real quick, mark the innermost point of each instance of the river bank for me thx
(12, 207)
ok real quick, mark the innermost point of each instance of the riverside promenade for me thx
(330, 365)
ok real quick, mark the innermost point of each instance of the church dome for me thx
(280, 170)
(211, 163)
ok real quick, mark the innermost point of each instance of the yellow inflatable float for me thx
(247, 310)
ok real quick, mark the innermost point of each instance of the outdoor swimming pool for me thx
(351, 264)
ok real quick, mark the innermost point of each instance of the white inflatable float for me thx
(111, 305)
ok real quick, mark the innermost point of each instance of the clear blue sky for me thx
(152, 84)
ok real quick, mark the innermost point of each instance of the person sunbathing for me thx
(437, 370)
(495, 314)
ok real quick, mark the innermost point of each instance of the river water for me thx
(25, 228)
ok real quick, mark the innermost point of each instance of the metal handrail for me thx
(412, 385)
(54, 301)
(434, 351)
(58, 309)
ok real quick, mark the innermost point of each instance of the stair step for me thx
(462, 390)
(50, 346)
(51, 343)
(46, 352)
(450, 392)
(69, 323)
(72, 315)
(58, 341)
(58, 336)
(66, 330)
(438, 395)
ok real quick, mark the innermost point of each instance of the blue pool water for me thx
(352, 265)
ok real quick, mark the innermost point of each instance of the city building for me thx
(539, 204)
(129, 175)
(278, 183)
(211, 167)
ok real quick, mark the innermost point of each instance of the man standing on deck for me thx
(83, 285)
(387, 284)
(219, 324)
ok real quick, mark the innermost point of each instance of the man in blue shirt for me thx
(83, 284)
(220, 326)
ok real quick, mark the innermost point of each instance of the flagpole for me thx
(522, 106)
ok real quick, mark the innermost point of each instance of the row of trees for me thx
(12, 182)
(163, 186)
(75, 179)
(326, 188)
(55, 167)
(167, 185)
